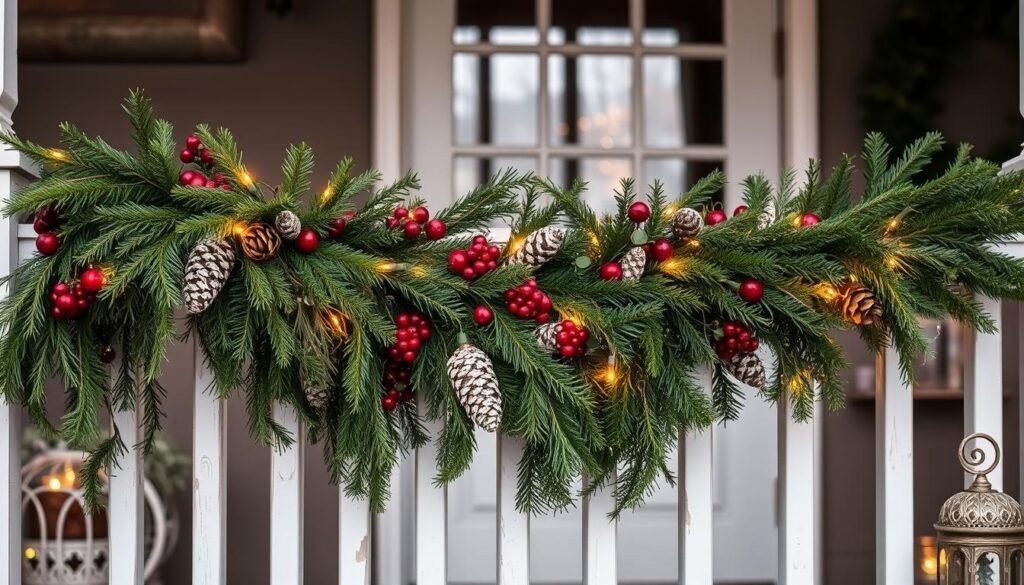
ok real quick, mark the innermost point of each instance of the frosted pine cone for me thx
(206, 270)
(545, 335)
(317, 398)
(633, 263)
(767, 216)
(476, 386)
(287, 224)
(687, 223)
(538, 248)
(859, 305)
(747, 368)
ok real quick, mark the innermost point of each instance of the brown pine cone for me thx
(260, 242)
(859, 305)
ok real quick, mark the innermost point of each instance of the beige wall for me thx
(306, 77)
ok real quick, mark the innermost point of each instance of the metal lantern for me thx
(980, 530)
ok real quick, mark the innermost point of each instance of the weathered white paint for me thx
(797, 519)
(355, 541)
(513, 525)
(697, 503)
(600, 537)
(983, 386)
(431, 513)
(286, 480)
(894, 461)
(125, 509)
(9, 71)
(209, 481)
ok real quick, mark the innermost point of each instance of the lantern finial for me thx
(973, 460)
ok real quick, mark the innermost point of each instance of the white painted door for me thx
(658, 89)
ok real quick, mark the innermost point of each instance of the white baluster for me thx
(431, 512)
(355, 539)
(286, 471)
(209, 459)
(599, 537)
(797, 514)
(125, 506)
(513, 525)
(894, 461)
(983, 386)
(696, 559)
(10, 493)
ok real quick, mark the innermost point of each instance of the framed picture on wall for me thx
(129, 30)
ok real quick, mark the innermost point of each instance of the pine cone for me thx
(208, 267)
(260, 242)
(317, 397)
(747, 368)
(472, 376)
(687, 223)
(767, 216)
(859, 305)
(538, 248)
(545, 336)
(287, 224)
(633, 263)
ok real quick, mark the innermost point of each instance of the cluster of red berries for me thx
(412, 330)
(571, 339)
(659, 250)
(736, 337)
(477, 260)
(70, 300)
(46, 220)
(195, 153)
(416, 221)
(526, 301)
(338, 224)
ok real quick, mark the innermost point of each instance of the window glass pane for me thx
(590, 22)
(510, 22)
(683, 101)
(494, 99)
(678, 175)
(470, 171)
(591, 100)
(671, 22)
(601, 174)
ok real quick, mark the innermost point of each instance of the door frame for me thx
(800, 119)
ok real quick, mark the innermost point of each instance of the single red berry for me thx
(197, 181)
(92, 280)
(66, 303)
(307, 241)
(57, 313)
(337, 227)
(567, 351)
(751, 290)
(400, 213)
(753, 344)
(743, 336)
(662, 250)
(542, 318)
(193, 142)
(563, 337)
(391, 222)
(40, 225)
(729, 329)
(49, 215)
(47, 243)
(611, 271)
(210, 184)
(424, 332)
(349, 214)
(715, 216)
(739, 209)
(185, 178)
(457, 261)
(61, 288)
(809, 219)
(411, 230)
(482, 315)
(187, 155)
(403, 334)
(480, 239)
(403, 320)
(388, 403)
(77, 290)
(206, 156)
(468, 273)
(82, 304)
(414, 344)
(409, 356)
(725, 354)
(436, 229)
(218, 178)
(419, 214)
(639, 212)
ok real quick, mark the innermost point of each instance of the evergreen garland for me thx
(323, 319)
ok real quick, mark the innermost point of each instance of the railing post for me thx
(696, 502)
(513, 525)
(983, 386)
(125, 508)
(286, 471)
(431, 511)
(599, 537)
(894, 463)
(797, 485)
(209, 481)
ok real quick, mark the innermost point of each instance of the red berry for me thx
(435, 229)
(210, 184)
(40, 225)
(185, 178)
(545, 303)
(739, 209)
(197, 181)
(57, 313)
(349, 214)
(729, 329)
(388, 403)
(218, 178)
(82, 304)
(400, 213)
(61, 289)
(414, 344)
(743, 336)
(567, 351)
(809, 219)
(337, 227)
(639, 212)
(568, 325)
(47, 244)
(92, 280)
(457, 261)
(715, 216)
(563, 337)
(419, 214)
(482, 315)
(753, 344)
(468, 273)
(225, 187)
(725, 354)
(411, 229)
(391, 222)
(480, 239)
(751, 290)
(611, 271)
(107, 355)
(513, 308)
(662, 250)
(77, 290)
(193, 142)
(479, 267)
(206, 156)
(542, 318)
(307, 241)
(424, 333)
(187, 155)
(66, 303)
(408, 356)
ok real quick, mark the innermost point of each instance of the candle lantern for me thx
(980, 531)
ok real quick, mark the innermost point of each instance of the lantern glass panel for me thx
(956, 569)
(1016, 568)
(988, 569)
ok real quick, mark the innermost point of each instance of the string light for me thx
(594, 239)
(246, 179)
(673, 266)
(694, 243)
(418, 271)
(238, 228)
(515, 244)
(335, 321)
(327, 194)
(30, 553)
(670, 210)
(893, 224)
(390, 266)
(53, 483)
(56, 154)
(826, 291)
(610, 374)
